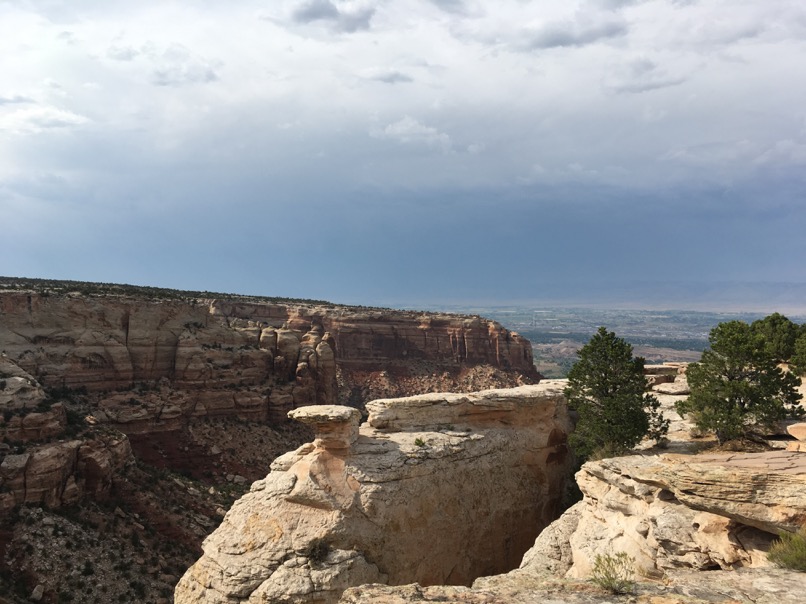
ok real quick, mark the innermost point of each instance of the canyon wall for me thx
(697, 528)
(252, 360)
(438, 488)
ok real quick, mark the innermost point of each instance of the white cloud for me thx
(409, 131)
(32, 120)
(177, 66)
(122, 53)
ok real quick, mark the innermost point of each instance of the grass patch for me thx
(614, 573)
(790, 551)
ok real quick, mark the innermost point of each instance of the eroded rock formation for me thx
(703, 512)
(61, 473)
(255, 361)
(744, 586)
(697, 526)
(438, 488)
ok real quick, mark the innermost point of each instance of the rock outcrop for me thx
(61, 473)
(697, 526)
(414, 494)
(743, 586)
(702, 512)
(797, 431)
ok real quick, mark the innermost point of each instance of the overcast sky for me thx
(405, 151)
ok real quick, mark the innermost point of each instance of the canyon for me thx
(143, 415)
(328, 524)
(415, 459)
(414, 494)
(697, 528)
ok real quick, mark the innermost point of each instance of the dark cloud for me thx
(15, 99)
(451, 6)
(573, 34)
(347, 21)
(641, 75)
(392, 77)
(316, 10)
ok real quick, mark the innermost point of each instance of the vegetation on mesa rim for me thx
(88, 288)
(737, 387)
(607, 388)
(47, 287)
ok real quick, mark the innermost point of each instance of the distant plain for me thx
(557, 333)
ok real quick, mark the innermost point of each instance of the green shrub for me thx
(790, 551)
(419, 442)
(614, 573)
(317, 551)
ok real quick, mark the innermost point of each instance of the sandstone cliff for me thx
(710, 511)
(62, 473)
(253, 360)
(697, 526)
(415, 494)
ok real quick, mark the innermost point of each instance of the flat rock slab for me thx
(745, 586)
(797, 430)
(325, 414)
(784, 462)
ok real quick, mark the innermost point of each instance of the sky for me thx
(409, 151)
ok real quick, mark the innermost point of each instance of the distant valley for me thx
(557, 333)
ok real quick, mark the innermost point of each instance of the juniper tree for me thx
(737, 387)
(607, 389)
(779, 335)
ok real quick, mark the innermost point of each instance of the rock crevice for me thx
(393, 504)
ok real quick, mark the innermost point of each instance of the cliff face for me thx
(251, 360)
(413, 495)
(702, 512)
(675, 515)
(62, 473)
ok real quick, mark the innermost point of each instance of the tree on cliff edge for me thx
(737, 387)
(607, 389)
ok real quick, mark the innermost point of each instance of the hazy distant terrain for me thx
(557, 333)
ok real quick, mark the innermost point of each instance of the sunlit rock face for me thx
(697, 528)
(439, 488)
(254, 361)
(702, 512)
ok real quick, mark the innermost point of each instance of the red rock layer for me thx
(246, 359)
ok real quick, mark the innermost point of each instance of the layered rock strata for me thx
(414, 494)
(62, 473)
(701, 512)
(698, 528)
(255, 361)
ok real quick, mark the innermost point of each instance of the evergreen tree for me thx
(737, 387)
(779, 334)
(799, 356)
(607, 389)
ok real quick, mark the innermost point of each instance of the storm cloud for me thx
(418, 150)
